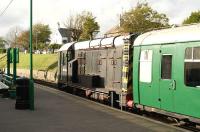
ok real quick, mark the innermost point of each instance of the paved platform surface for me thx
(56, 111)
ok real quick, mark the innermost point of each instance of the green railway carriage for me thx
(166, 70)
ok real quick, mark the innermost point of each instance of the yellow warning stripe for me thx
(125, 56)
(125, 69)
(124, 90)
(124, 80)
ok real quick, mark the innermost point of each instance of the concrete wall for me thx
(39, 74)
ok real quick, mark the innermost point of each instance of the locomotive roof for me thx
(117, 41)
(82, 45)
(171, 35)
(65, 47)
(120, 40)
(77, 45)
(95, 42)
(107, 41)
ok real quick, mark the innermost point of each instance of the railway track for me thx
(188, 126)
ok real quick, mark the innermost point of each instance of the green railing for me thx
(8, 80)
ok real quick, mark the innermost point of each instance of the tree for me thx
(89, 28)
(42, 32)
(54, 46)
(74, 24)
(142, 18)
(193, 18)
(11, 36)
(2, 43)
(41, 35)
(82, 25)
(23, 39)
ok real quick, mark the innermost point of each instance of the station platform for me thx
(57, 111)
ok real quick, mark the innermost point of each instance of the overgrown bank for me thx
(44, 65)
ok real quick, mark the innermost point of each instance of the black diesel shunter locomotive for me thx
(99, 69)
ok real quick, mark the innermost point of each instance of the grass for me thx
(1, 55)
(40, 62)
(2, 61)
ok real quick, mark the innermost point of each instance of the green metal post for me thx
(8, 61)
(31, 87)
(14, 65)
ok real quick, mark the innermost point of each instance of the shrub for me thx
(2, 51)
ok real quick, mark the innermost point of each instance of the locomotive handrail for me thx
(116, 82)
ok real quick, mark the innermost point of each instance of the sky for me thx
(107, 12)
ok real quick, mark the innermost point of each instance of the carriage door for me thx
(117, 68)
(167, 83)
(103, 67)
(110, 68)
(149, 76)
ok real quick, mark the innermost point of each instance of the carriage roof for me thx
(170, 35)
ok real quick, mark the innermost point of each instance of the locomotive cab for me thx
(65, 55)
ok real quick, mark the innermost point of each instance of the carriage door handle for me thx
(173, 84)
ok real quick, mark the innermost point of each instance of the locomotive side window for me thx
(70, 55)
(146, 66)
(63, 58)
(166, 67)
(192, 67)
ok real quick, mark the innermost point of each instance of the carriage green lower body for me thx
(167, 77)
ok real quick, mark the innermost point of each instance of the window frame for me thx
(192, 60)
(142, 60)
(171, 66)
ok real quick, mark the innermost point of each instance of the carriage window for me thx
(197, 53)
(166, 67)
(188, 53)
(146, 66)
(192, 67)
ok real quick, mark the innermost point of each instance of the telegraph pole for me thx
(31, 83)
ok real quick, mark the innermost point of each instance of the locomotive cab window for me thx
(192, 67)
(146, 66)
(166, 67)
(70, 55)
(63, 59)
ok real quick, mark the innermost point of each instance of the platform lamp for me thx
(31, 83)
